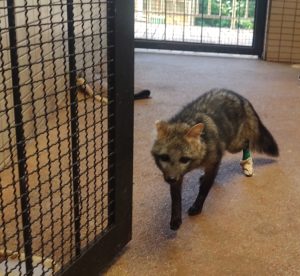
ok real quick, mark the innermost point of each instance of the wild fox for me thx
(198, 136)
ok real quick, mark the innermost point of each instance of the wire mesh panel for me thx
(227, 23)
(59, 85)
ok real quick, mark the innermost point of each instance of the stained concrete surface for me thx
(249, 226)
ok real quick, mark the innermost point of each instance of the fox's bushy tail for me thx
(265, 142)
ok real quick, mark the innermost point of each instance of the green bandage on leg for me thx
(246, 151)
(247, 162)
(246, 154)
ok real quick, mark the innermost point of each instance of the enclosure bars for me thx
(74, 124)
(121, 91)
(120, 42)
(20, 139)
(111, 108)
(121, 54)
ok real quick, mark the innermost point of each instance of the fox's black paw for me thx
(194, 210)
(175, 224)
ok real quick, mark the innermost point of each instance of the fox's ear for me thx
(161, 128)
(195, 131)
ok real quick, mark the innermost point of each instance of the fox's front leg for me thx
(206, 182)
(176, 206)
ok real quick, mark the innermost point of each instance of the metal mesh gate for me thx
(65, 109)
(234, 26)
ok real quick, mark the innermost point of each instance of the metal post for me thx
(74, 124)
(120, 42)
(120, 84)
(111, 108)
(20, 139)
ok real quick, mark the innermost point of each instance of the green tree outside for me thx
(236, 13)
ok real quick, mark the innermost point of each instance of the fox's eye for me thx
(164, 157)
(184, 160)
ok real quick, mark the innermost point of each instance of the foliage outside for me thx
(236, 13)
(223, 23)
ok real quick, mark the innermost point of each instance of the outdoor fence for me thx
(228, 26)
(205, 21)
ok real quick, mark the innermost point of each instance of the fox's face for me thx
(177, 149)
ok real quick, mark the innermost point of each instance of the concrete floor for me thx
(249, 226)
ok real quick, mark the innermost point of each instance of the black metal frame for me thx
(255, 49)
(121, 79)
(87, 257)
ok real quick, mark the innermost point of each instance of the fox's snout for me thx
(172, 179)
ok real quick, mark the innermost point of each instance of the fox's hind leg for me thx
(206, 182)
(247, 161)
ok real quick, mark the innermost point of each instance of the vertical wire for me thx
(74, 127)
(6, 108)
(173, 17)
(57, 123)
(94, 80)
(32, 89)
(85, 108)
(147, 7)
(101, 131)
(238, 23)
(42, 55)
(166, 3)
(183, 31)
(93, 31)
(202, 17)
(20, 139)
(66, 100)
(101, 162)
(220, 21)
